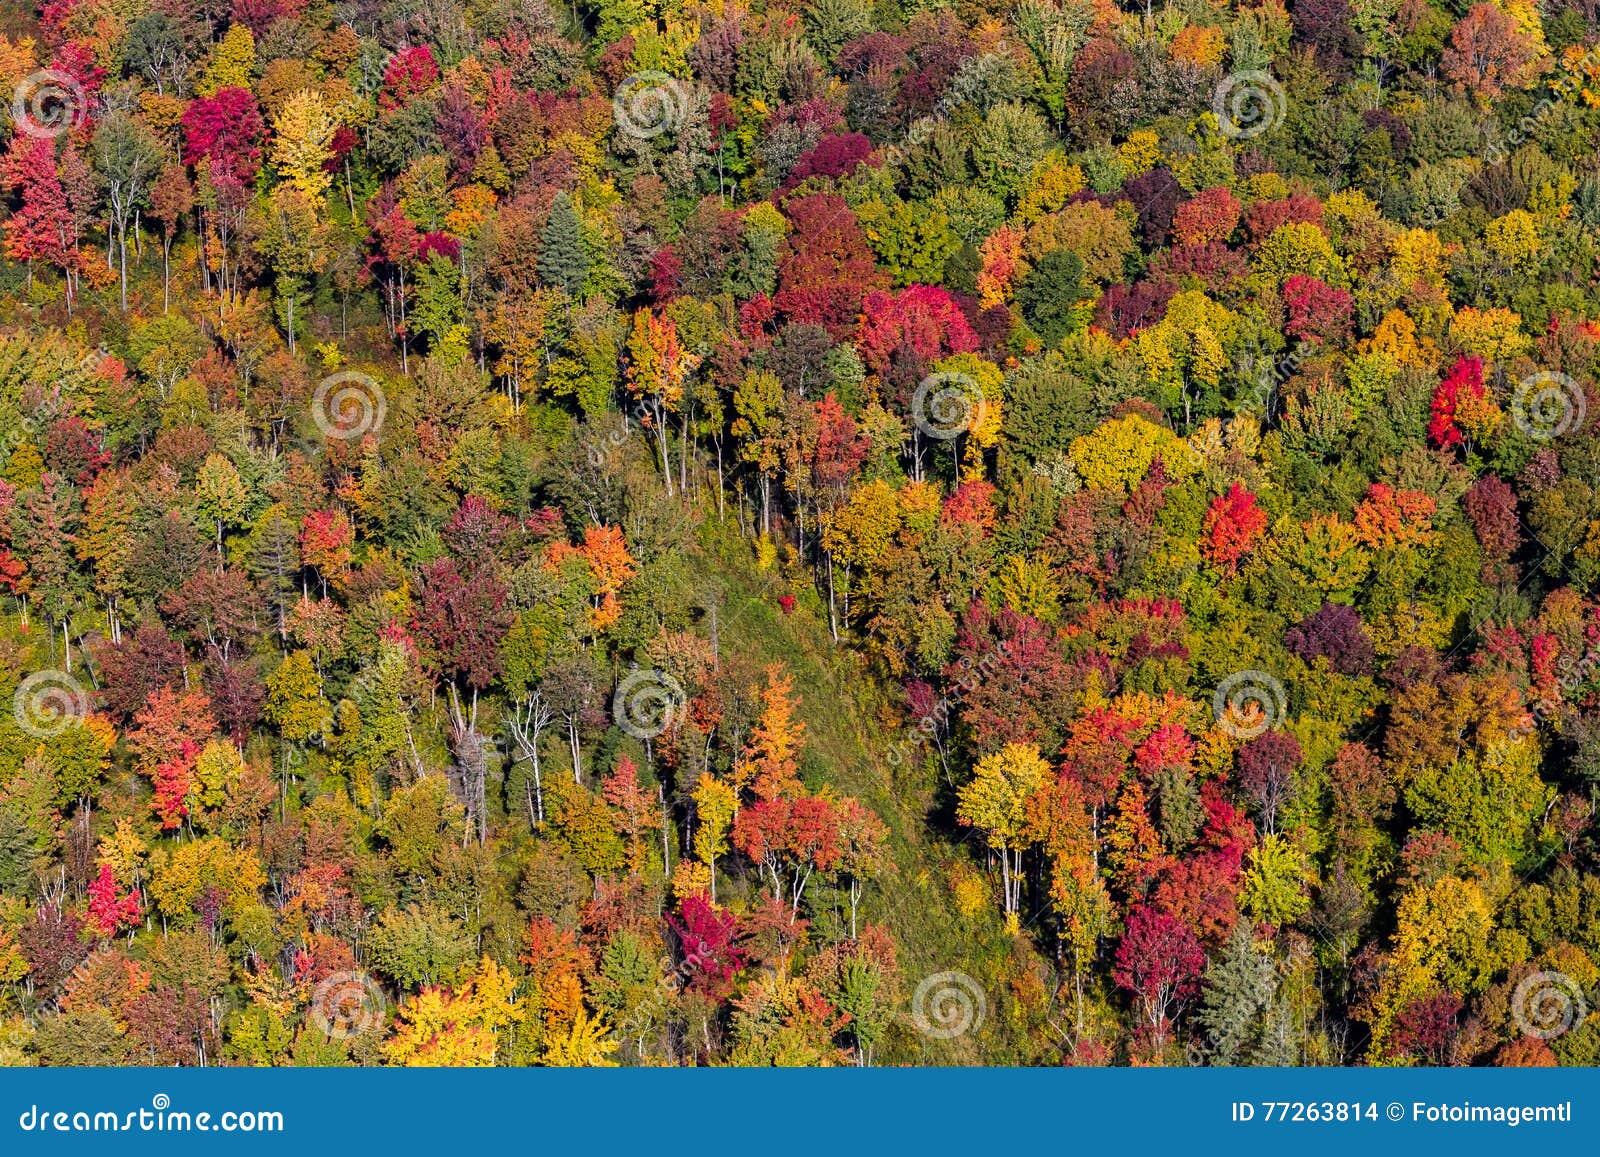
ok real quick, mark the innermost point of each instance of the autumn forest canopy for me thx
(799, 532)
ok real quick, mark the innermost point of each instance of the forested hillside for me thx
(822, 532)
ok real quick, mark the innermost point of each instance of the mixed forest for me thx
(799, 532)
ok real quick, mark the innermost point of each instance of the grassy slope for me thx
(916, 902)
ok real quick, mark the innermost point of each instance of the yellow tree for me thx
(215, 772)
(658, 367)
(758, 402)
(124, 850)
(715, 805)
(586, 1045)
(1494, 334)
(1185, 355)
(983, 427)
(516, 325)
(859, 533)
(1445, 940)
(1274, 887)
(1298, 248)
(995, 802)
(180, 878)
(232, 62)
(1516, 240)
(294, 699)
(448, 1028)
(222, 496)
(1118, 453)
(302, 132)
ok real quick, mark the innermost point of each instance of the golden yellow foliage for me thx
(1417, 256)
(1516, 240)
(448, 1029)
(1119, 452)
(302, 132)
(1140, 153)
(1050, 184)
(1494, 334)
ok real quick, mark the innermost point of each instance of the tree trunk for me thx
(666, 458)
(577, 755)
(833, 621)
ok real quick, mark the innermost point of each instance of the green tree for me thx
(563, 260)
(222, 496)
(128, 161)
(1239, 988)
(295, 239)
(440, 309)
(1051, 294)
(421, 945)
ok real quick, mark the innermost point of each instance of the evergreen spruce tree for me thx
(1239, 987)
(562, 260)
(1275, 1044)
